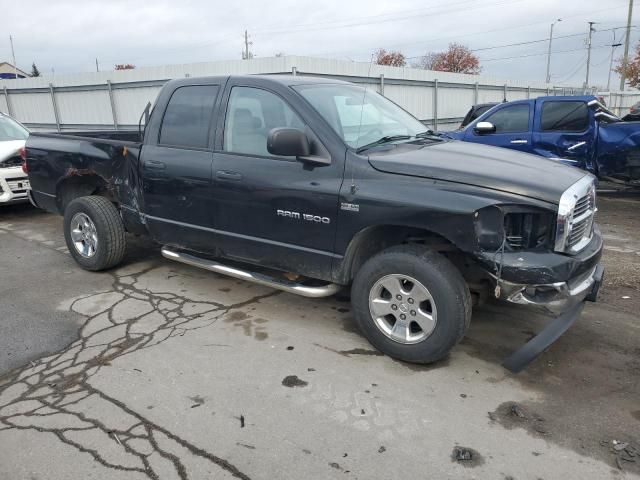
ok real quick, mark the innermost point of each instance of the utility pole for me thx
(591, 29)
(13, 55)
(549, 52)
(246, 55)
(97, 69)
(613, 47)
(625, 58)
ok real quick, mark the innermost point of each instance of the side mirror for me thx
(484, 127)
(288, 142)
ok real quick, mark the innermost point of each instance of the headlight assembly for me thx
(517, 227)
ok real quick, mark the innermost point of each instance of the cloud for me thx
(68, 35)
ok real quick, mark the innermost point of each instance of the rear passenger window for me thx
(251, 114)
(187, 119)
(565, 116)
(512, 119)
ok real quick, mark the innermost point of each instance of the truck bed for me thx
(118, 135)
(104, 161)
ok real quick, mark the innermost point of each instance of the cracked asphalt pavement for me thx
(157, 370)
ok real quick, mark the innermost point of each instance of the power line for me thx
(401, 15)
(482, 32)
(542, 53)
(541, 40)
(411, 13)
(527, 43)
(522, 43)
(574, 70)
(360, 22)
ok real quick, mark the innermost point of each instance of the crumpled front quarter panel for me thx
(619, 150)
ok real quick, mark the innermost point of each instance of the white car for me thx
(14, 183)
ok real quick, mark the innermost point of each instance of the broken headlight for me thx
(519, 228)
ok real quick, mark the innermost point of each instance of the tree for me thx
(427, 61)
(34, 70)
(457, 58)
(630, 69)
(391, 58)
(124, 66)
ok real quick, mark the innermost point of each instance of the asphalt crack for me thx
(48, 394)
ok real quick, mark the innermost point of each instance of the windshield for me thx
(11, 130)
(358, 115)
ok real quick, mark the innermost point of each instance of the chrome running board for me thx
(259, 278)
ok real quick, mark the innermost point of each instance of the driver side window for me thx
(251, 114)
(511, 119)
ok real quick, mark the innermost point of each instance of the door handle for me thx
(576, 145)
(519, 142)
(226, 175)
(154, 165)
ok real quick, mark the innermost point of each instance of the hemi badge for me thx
(350, 207)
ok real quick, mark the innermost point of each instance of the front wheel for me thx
(94, 233)
(411, 303)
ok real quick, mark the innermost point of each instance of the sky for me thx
(66, 36)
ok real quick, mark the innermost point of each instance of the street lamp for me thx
(549, 52)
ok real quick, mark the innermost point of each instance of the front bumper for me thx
(556, 297)
(547, 279)
(14, 185)
(572, 301)
(559, 283)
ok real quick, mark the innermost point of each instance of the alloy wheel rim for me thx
(402, 308)
(84, 235)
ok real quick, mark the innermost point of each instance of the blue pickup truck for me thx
(574, 130)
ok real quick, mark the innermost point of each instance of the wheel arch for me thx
(372, 240)
(81, 185)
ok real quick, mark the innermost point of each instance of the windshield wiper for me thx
(426, 133)
(382, 141)
(429, 134)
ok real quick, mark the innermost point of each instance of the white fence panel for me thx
(84, 107)
(454, 102)
(417, 100)
(488, 96)
(130, 103)
(518, 94)
(83, 100)
(33, 107)
(4, 108)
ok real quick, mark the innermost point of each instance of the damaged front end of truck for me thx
(539, 258)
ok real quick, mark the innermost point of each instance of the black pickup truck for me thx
(311, 185)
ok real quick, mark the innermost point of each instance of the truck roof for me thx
(268, 79)
(586, 98)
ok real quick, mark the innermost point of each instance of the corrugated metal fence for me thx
(115, 99)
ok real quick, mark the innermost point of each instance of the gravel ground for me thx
(619, 220)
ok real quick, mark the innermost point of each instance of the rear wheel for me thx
(411, 303)
(94, 233)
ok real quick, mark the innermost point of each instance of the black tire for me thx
(109, 228)
(445, 284)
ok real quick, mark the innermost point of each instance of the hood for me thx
(480, 165)
(10, 148)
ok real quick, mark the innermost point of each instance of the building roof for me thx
(8, 68)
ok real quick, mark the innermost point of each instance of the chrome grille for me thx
(576, 211)
(582, 221)
(582, 206)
